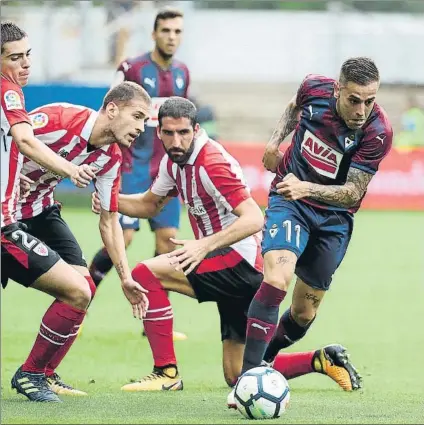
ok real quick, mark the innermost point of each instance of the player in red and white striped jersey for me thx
(84, 136)
(26, 259)
(223, 264)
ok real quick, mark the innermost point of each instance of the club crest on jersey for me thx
(12, 100)
(41, 250)
(273, 231)
(349, 142)
(39, 120)
(179, 82)
(321, 157)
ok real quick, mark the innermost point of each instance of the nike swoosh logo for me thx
(171, 386)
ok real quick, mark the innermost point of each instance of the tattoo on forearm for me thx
(120, 269)
(312, 297)
(284, 260)
(285, 126)
(347, 195)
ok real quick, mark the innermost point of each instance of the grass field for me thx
(375, 308)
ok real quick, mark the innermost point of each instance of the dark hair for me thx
(178, 107)
(10, 32)
(167, 13)
(360, 70)
(124, 92)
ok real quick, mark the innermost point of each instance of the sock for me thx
(57, 325)
(63, 350)
(100, 266)
(261, 323)
(158, 322)
(287, 333)
(292, 365)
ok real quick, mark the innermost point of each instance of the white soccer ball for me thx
(262, 393)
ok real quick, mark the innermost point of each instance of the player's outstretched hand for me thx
(292, 188)
(24, 186)
(96, 206)
(83, 175)
(136, 295)
(188, 257)
(272, 158)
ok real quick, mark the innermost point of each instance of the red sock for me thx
(63, 350)
(158, 322)
(292, 365)
(57, 326)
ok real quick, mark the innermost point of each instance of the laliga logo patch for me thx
(273, 231)
(39, 120)
(12, 100)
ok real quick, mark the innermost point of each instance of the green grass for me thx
(375, 308)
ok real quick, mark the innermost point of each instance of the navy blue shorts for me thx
(137, 182)
(318, 237)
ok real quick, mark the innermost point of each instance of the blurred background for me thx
(246, 58)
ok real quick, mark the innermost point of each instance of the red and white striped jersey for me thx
(66, 129)
(12, 112)
(211, 185)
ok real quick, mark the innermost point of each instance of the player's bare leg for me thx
(232, 362)
(262, 321)
(158, 275)
(332, 360)
(59, 323)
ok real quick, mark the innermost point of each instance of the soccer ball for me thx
(262, 393)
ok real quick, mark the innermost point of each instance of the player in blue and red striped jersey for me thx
(161, 76)
(340, 137)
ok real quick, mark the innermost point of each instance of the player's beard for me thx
(163, 55)
(180, 159)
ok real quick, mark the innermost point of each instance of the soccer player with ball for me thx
(222, 265)
(340, 137)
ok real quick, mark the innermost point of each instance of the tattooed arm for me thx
(345, 196)
(113, 239)
(285, 126)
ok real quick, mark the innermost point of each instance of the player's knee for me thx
(301, 315)
(80, 295)
(231, 378)
(279, 281)
(145, 277)
(92, 286)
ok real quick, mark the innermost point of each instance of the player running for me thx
(161, 76)
(84, 136)
(223, 264)
(341, 136)
(25, 259)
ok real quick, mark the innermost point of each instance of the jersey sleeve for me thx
(187, 88)
(313, 86)
(164, 184)
(224, 181)
(13, 104)
(107, 183)
(123, 73)
(372, 152)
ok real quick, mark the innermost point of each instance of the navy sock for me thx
(261, 323)
(287, 333)
(100, 266)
